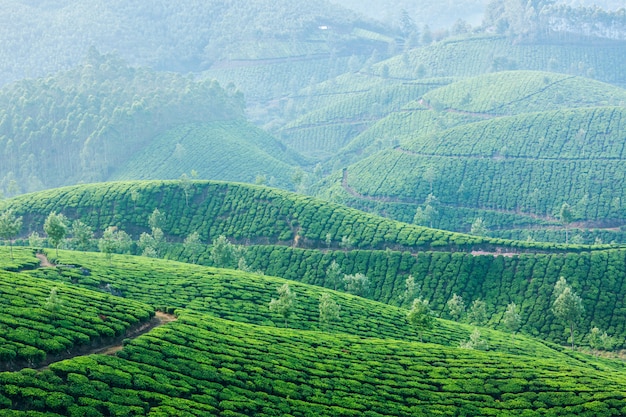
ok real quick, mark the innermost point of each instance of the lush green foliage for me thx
(479, 167)
(467, 57)
(206, 366)
(40, 318)
(83, 124)
(230, 151)
(242, 212)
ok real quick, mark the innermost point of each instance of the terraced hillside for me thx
(242, 364)
(276, 227)
(503, 93)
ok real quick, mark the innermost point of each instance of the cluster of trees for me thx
(84, 124)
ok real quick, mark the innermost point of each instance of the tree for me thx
(599, 340)
(567, 306)
(357, 284)
(53, 303)
(474, 342)
(34, 240)
(329, 310)
(411, 290)
(156, 219)
(223, 253)
(477, 313)
(114, 241)
(420, 317)
(333, 274)
(55, 227)
(185, 185)
(478, 227)
(430, 210)
(10, 226)
(284, 305)
(150, 244)
(193, 245)
(566, 216)
(512, 318)
(456, 307)
(82, 235)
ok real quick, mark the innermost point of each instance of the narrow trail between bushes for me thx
(44, 262)
(114, 345)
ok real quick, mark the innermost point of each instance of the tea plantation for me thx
(225, 355)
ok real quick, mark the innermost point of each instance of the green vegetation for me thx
(225, 150)
(40, 320)
(479, 165)
(206, 366)
(84, 124)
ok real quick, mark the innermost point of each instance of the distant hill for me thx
(225, 150)
(522, 165)
(106, 120)
(188, 36)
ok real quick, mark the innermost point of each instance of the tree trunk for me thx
(571, 333)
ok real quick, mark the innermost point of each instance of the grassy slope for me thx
(34, 328)
(254, 215)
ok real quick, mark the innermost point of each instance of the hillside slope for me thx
(515, 171)
(201, 364)
(229, 151)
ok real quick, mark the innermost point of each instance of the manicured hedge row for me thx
(526, 279)
(243, 212)
(201, 365)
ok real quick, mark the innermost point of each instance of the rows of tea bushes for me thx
(202, 365)
(333, 126)
(230, 151)
(588, 236)
(23, 258)
(245, 297)
(480, 165)
(515, 92)
(467, 57)
(391, 130)
(526, 279)
(241, 212)
(40, 318)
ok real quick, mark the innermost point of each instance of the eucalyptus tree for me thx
(10, 226)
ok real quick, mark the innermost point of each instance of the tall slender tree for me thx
(10, 226)
(55, 227)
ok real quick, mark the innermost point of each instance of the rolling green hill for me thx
(510, 167)
(225, 356)
(230, 151)
(105, 120)
(274, 225)
(245, 213)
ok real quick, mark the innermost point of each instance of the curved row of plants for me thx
(202, 365)
(244, 297)
(40, 319)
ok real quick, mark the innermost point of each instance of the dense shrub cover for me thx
(202, 365)
(40, 318)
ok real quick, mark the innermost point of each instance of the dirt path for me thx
(45, 263)
(110, 349)
(159, 319)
